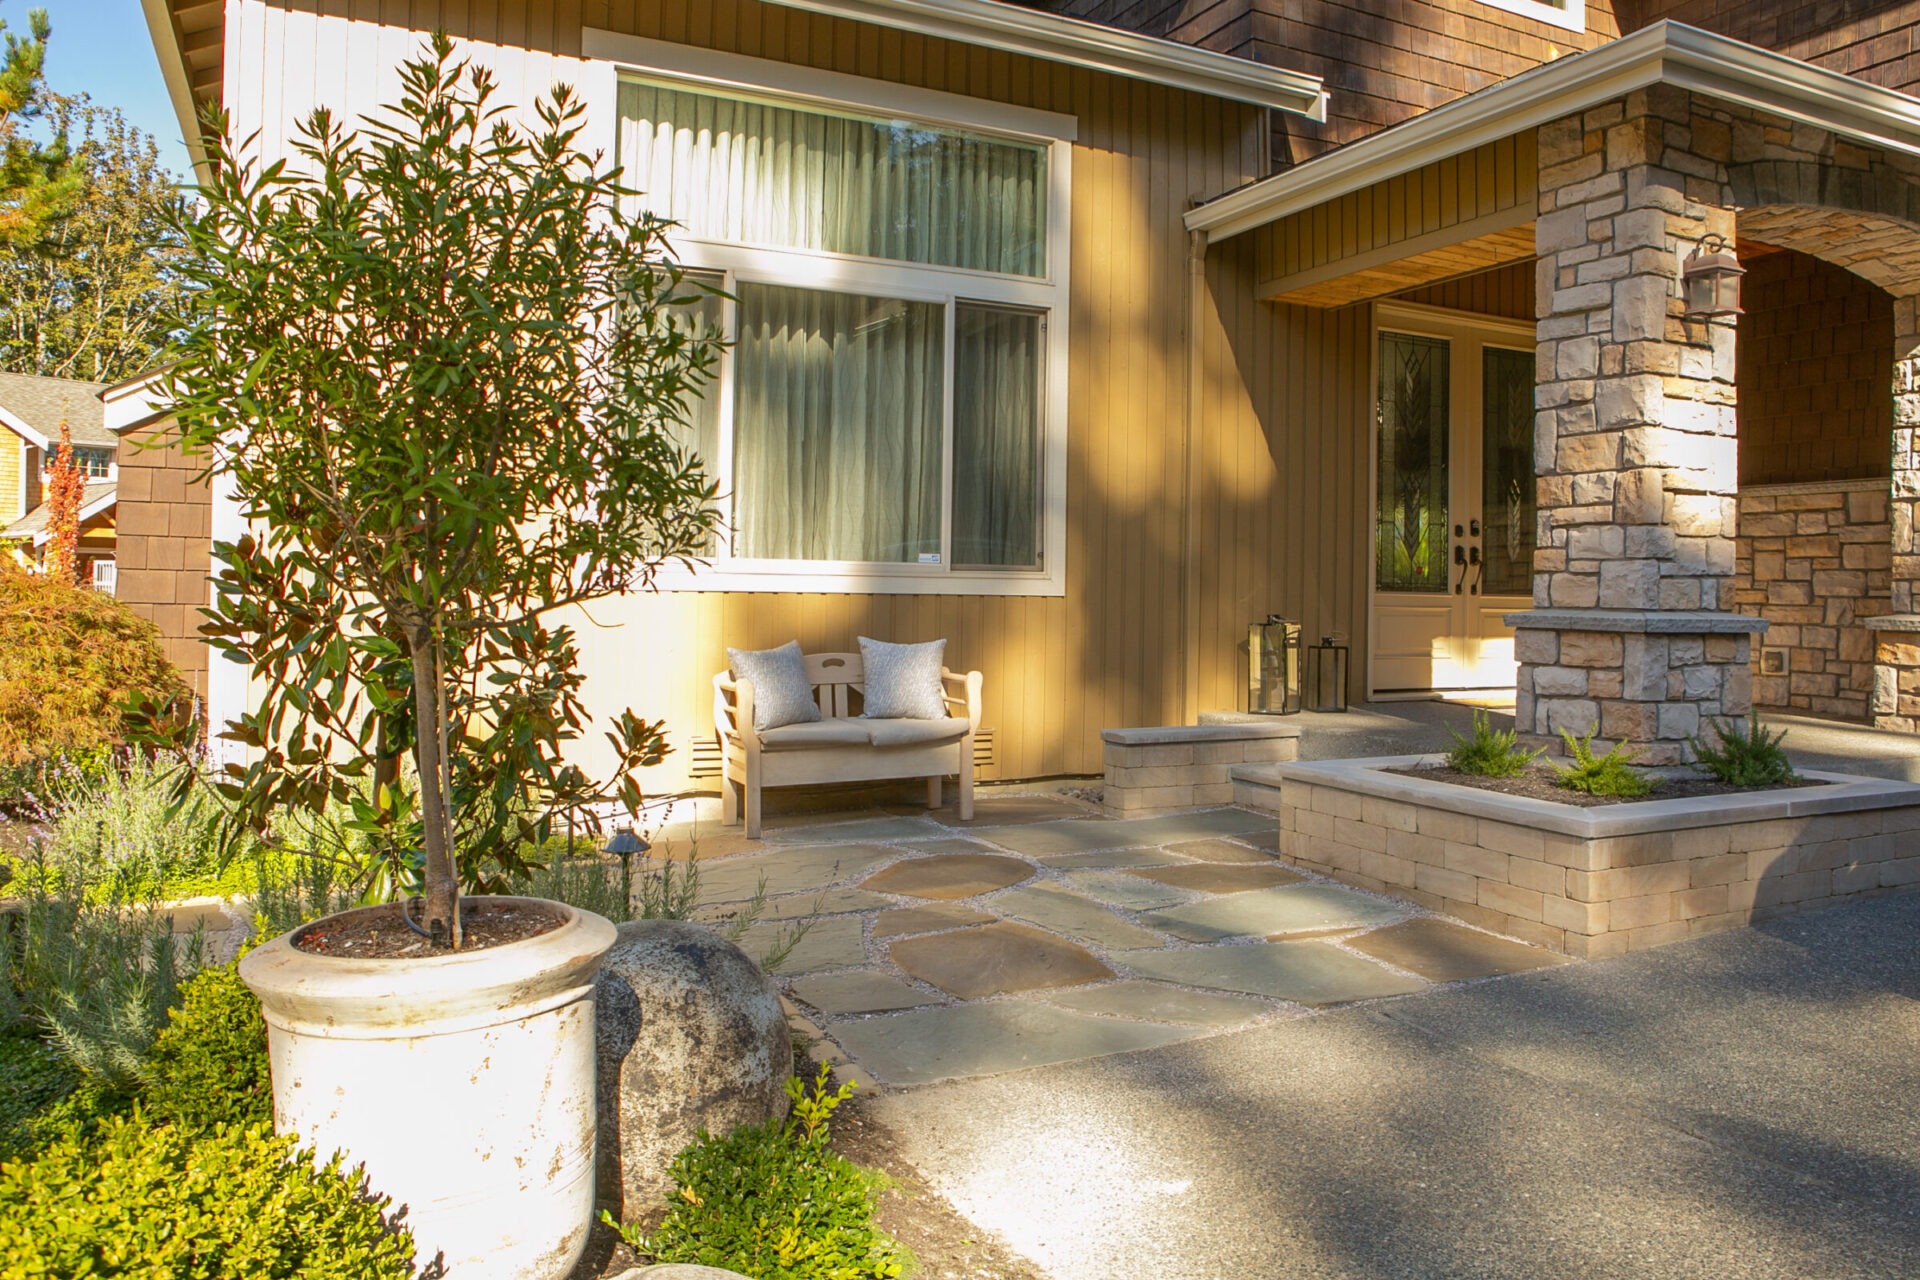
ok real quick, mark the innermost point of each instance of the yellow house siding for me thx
(13, 461)
(1058, 669)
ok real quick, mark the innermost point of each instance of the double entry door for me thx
(1453, 513)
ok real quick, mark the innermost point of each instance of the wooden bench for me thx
(842, 746)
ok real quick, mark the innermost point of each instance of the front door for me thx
(1453, 501)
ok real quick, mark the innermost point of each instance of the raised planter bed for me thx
(1598, 881)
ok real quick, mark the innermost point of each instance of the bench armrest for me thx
(962, 694)
(733, 710)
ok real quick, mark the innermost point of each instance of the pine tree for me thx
(38, 179)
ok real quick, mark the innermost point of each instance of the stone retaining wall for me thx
(1183, 766)
(1815, 561)
(1604, 880)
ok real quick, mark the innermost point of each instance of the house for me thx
(32, 412)
(1178, 314)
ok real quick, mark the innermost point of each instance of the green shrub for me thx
(95, 979)
(69, 658)
(771, 1201)
(44, 1097)
(136, 1198)
(1489, 753)
(1747, 756)
(116, 835)
(209, 1065)
(1610, 775)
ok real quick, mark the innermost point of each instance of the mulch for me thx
(381, 934)
(1538, 784)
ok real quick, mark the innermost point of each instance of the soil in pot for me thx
(1538, 784)
(383, 935)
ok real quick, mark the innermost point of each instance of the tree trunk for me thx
(442, 877)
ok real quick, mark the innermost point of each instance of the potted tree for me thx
(443, 367)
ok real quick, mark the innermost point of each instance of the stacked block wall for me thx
(1185, 766)
(1603, 896)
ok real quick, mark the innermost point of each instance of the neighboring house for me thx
(1083, 348)
(32, 411)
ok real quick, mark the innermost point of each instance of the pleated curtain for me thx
(839, 398)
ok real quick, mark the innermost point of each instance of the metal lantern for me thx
(1273, 667)
(1710, 279)
(623, 846)
(1326, 688)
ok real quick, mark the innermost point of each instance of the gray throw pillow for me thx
(781, 694)
(903, 680)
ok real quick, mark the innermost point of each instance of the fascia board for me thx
(1665, 53)
(995, 25)
(173, 71)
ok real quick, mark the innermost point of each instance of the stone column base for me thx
(1649, 677)
(1895, 701)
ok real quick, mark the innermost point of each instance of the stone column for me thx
(1631, 636)
(1896, 660)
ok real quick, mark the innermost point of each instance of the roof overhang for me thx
(190, 33)
(1664, 53)
(993, 24)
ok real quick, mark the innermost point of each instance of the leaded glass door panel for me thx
(1453, 501)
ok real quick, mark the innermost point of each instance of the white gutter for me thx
(996, 25)
(1665, 53)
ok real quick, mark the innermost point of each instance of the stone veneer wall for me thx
(1815, 561)
(1585, 896)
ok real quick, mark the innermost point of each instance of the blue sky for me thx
(101, 48)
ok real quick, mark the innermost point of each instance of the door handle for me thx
(1473, 527)
(1460, 558)
(1473, 558)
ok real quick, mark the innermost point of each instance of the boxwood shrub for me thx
(165, 1202)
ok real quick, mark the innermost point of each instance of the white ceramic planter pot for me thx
(464, 1083)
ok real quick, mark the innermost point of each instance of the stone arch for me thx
(1863, 218)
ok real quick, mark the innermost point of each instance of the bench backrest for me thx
(835, 677)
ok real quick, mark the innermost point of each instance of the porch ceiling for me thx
(1393, 269)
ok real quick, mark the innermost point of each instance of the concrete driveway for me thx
(1741, 1107)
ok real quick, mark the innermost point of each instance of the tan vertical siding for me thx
(1058, 670)
(1504, 291)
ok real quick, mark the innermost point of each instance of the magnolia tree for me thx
(445, 369)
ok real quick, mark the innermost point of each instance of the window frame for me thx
(676, 66)
(1570, 15)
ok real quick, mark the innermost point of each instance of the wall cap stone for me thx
(1653, 622)
(1844, 793)
(1872, 484)
(1173, 734)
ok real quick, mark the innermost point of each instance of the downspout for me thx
(1189, 478)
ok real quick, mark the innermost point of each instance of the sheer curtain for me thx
(996, 437)
(754, 173)
(837, 426)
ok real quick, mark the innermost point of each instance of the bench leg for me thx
(729, 801)
(933, 792)
(753, 808)
(966, 782)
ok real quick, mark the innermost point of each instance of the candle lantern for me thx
(1710, 278)
(1326, 684)
(1273, 667)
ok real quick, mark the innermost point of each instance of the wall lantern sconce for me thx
(1710, 279)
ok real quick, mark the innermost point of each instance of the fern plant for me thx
(1489, 752)
(1610, 775)
(1747, 755)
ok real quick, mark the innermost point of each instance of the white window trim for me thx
(1570, 14)
(631, 57)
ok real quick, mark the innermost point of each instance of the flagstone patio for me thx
(1043, 932)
